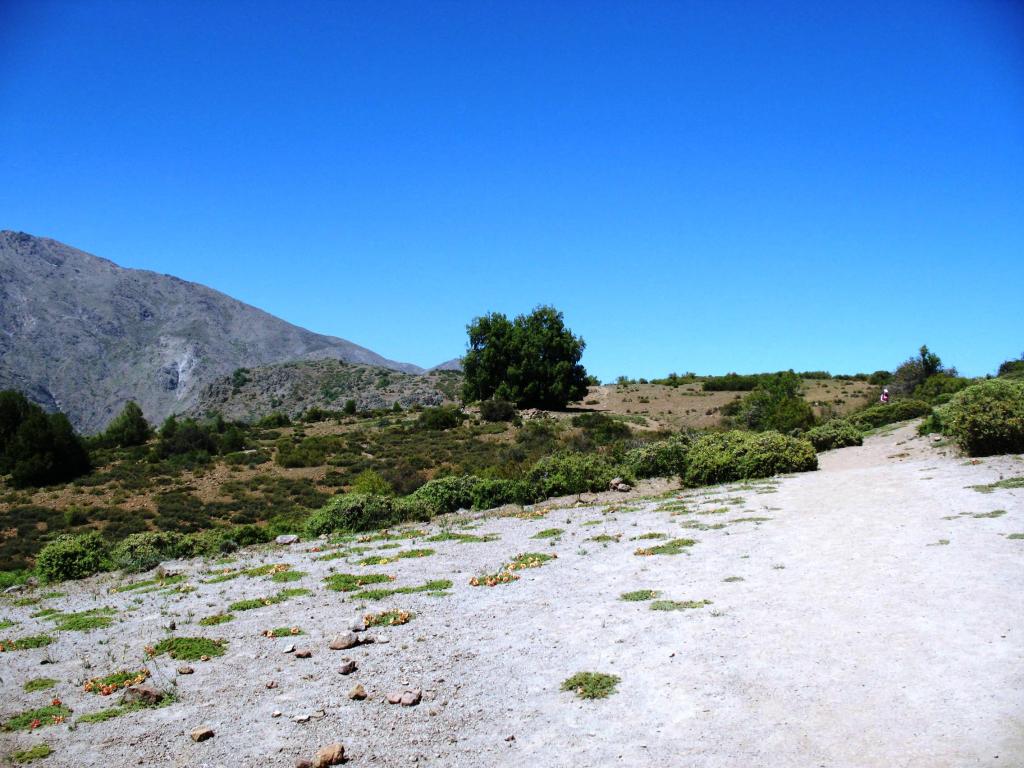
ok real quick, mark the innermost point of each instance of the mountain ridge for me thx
(81, 334)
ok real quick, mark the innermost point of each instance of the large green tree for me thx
(35, 447)
(532, 361)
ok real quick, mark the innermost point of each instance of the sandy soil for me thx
(855, 638)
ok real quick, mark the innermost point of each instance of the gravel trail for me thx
(841, 631)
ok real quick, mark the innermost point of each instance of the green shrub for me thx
(568, 473)
(837, 433)
(664, 458)
(497, 410)
(728, 456)
(880, 378)
(447, 494)
(602, 429)
(181, 438)
(73, 556)
(143, 551)
(440, 418)
(360, 512)
(988, 418)
(274, 421)
(776, 404)
(371, 483)
(1012, 369)
(489, 493)
(940, 384)
(889, 413)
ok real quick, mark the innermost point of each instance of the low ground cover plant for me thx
(591, 685)
(188, 648)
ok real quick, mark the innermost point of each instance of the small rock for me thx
(348, 666)
(15, 588)
(510, 738)
(358, 693)
(144, 694)
(378, 639)
(202, 733)
(332, 754)
(357, 625)
(301, 718)
(344, 641)
(394, 698)
(411, 698)
(624, 487)
(304, 653)
(303, 763)
(289, 648)
(276, 713)
(319, 714)
(172, 626)
(614, 484)
(288, 538)
(272, 684)
(185, 669)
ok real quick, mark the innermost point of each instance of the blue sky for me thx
(706, 186)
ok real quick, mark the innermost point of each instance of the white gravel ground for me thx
(854, 638)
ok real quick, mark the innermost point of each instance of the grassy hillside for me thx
(285, 472)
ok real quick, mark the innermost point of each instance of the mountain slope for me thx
(81, 334)
(291, 388)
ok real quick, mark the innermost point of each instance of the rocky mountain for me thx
(291, 388)
(80, 334)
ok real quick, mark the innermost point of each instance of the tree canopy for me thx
(37, 448)
(532, 361)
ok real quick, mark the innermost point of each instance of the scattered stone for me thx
(332, 754)
(185, 669)
(301, 718)
(624, 487)
(358, 693)
(319, 714)
(348, 666)
(615, 483)
(510, 738)
(303, 763)
(357, 625)
(272, 683)
(202, 733)
(276, 713)
(304, 653)
(394, 698)
(287, 538)
(172, 626)
(411, 698)
(344, 641)
(289, 648)
(143, 694)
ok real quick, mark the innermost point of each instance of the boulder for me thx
(344, 641)
(332, 754)
(202, 733)
(142, 694)
(287, 538)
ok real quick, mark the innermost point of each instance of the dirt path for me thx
(852, 637)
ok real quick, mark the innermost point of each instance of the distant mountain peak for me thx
(80, 333)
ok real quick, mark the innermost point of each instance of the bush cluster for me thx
(988, 418)
(568, 473)
(664, 458)
(440, 418)
(363, 512)
(837, 433)
(497, 410)
(73, 557)
(776, 404)
(736, 455)
(890, 413)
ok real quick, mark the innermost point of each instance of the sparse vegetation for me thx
(639, 595)
(188, 648)
(591, 685)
